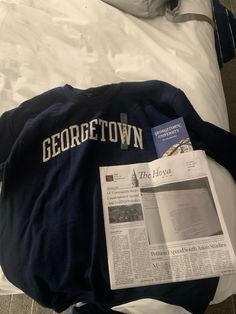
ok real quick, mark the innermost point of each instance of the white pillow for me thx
(152, 8)
(140, 8)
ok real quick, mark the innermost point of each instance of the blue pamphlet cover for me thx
(171, 138)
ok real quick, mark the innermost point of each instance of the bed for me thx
(85, 43)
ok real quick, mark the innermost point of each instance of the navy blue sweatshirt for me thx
(52, 234)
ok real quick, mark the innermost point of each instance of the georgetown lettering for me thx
(96, 130)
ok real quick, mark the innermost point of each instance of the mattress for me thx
(85, 43)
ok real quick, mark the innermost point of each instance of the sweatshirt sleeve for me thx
(13, 121)
(217, 143)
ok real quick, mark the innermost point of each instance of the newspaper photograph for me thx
(163, 222)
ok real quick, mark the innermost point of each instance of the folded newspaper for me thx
(163, 222)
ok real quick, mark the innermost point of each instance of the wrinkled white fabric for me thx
(149, 306)
(146, 306)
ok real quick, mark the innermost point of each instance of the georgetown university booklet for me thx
(163, 222)
(171, 138)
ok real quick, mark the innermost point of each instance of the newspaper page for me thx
(163, 222)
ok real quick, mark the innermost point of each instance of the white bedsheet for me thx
(48, 43)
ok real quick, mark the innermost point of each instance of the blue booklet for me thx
(171, 138)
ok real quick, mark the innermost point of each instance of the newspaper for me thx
(163, 222)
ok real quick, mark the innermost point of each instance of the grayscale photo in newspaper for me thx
(186, 210)
(163, 222)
